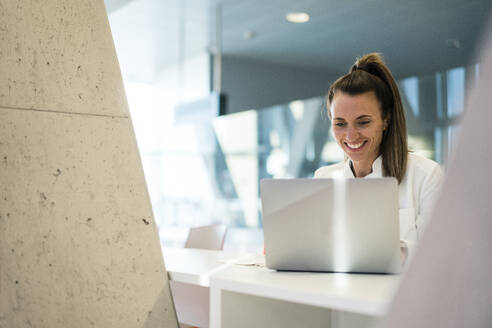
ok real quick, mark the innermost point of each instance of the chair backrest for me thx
(207, 237)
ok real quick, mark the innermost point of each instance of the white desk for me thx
(189, 272)
(256, 296)
(195, 266)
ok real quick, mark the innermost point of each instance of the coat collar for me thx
(377, 169)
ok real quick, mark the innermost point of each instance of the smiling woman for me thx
(368, 123)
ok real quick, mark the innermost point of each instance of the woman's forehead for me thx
(346, 106)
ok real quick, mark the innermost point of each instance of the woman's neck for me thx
(361, 169)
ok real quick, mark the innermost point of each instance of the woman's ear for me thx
(386, 122)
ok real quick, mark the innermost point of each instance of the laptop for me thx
(331, 225)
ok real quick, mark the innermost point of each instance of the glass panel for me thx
(209, 171)
(456, 91)
(410, 88)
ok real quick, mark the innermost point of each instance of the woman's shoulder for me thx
(421, 163)
(329, 171)
(422, 166)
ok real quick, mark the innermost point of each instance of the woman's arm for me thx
(429, 191)
(428, 197)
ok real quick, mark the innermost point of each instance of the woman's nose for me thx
(352, 134)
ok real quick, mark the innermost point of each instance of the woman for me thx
(368, 123)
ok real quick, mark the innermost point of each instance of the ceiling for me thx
(415, 36)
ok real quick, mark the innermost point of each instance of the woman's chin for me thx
(358, 156)
(356, 153)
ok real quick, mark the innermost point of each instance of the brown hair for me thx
(370, 74)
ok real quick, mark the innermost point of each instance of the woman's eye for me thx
(339, 124)
(364, 122)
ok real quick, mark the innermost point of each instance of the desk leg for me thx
(215, 308)
(191, 303)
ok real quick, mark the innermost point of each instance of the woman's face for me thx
(357, 125)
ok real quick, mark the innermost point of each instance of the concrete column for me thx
(78, 243)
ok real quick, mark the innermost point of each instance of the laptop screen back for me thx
(339, 225)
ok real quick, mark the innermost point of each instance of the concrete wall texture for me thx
(78, 243)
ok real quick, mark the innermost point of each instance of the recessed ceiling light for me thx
(298, 17)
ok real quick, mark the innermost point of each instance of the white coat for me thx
(417, 191)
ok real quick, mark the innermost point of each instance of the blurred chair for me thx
(207, 237)
(192, 302)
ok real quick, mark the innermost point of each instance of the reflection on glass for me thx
(455, 81)
(238, 142)
(209, 171)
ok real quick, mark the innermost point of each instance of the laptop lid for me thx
(334, 225)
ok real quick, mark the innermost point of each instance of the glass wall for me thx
(212, 174)
(207, 169)
(162, 47)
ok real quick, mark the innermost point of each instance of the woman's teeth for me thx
(355, 146)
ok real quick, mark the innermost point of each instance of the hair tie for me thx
(354, 68)
(357, 67)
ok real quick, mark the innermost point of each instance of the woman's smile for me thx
(355, 147)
